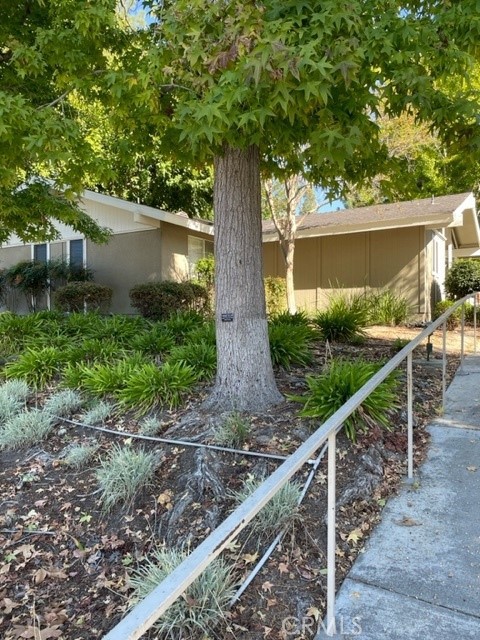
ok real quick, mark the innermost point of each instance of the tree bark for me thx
(245, 380)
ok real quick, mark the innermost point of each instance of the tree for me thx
(292, 86)
(288, 202)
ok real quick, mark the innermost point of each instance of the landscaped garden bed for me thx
(75, 529)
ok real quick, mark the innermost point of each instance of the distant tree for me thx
(288, 201)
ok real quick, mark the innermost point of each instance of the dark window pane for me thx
(40, 252)
(76, 253)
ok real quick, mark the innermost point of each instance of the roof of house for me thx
(143, 213)
(456, 211)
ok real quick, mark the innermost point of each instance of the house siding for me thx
(357, 262)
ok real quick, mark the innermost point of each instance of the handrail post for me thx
(444, 364)
(462, 339)
(475, 323)
(331, 538)
(410, 414)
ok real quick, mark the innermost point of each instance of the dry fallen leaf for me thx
(250, 558)
(355, 535)
(267, 586)
(408, 522)
(472, 468)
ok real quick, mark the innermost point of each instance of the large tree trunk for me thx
(245, 379)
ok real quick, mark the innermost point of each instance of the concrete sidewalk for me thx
(419, 577)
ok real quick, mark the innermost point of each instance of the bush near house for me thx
(159, 300)
(463, 277)
(80, 296)
(275, 295)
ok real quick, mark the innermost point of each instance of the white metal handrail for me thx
(146, 613)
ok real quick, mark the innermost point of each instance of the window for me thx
(76, 253)
(198, 248)
(40, 253)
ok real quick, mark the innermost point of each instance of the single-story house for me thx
(147, 244)
(404, 246)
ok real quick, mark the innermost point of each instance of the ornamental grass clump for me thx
(100, 412)
(201, 356)
(388, 308)
(233, 431)
(203, 605)
(37, 367)
(13, 396)
(123, 474)
(63, 403)
(289, 344)
(279, 513)
(331, 390)
(26, 428)
(79, 455)
(150, 386)
(345, 318)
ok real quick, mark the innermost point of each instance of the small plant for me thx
(98, 413)
(275, 295)
(158, 300)
(79, 454)
(26, 428)
(36, 366)
(83, 296)
(101, 379)
(280, 512)
(387, 308)
(233, 432)
(331, 390)
(399, 344)
(95, 350)
(124, 473)
(63, 403)
(13, 396)
(156, 342)
(289, 344)
(150, 426)
(344, 319)
(150, 386)
(201, 356)
(454, 319)
(203, 605)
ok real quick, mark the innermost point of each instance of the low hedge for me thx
(159, 300)
(80, 296)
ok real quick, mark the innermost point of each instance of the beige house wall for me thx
(357, 262)
(128, 259)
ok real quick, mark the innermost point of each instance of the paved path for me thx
(422, 582)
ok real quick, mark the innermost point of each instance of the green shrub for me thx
(21, 329)
(204, 604)
(121, 329)
(124, 473)
(205, 332)
(463, 277)
(275, 295)
(289, 344)
(200, 356)
(27, 428)
(280, 512)
(150, 386)
(387, 308)
(345, 318)
(37, 367)
(83, 325)
(233, 432)
(454, 319)
(94, 350)
(158, 300)
(79, 296)
(331, 390)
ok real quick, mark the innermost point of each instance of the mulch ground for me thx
(65, 564)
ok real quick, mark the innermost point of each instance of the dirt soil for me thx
(64, 565)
